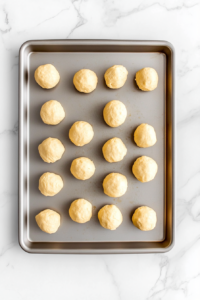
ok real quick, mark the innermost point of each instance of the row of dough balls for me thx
(114, 184)
(114, 113)
(144, 168)
(110, 217)
(85, 81)
(81, 133)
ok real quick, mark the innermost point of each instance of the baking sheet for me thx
(142, 107)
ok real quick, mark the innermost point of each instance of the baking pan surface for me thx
(154, 108)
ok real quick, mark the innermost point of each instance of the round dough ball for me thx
(50, 184)
(51, 150)
(145, 136)
(110, 217)
(144, 218)
(114, 150)
(47, 76)
(115, 185)
(81, 133)
(116, 76)
(82, 168)
(48, 221)
(52, 112)
(145, 169)
(115, 113)
(80, 211)
(85, 81)
(147, 79)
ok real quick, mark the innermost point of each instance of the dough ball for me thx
(116, 76)
(145, 169)
(52, 112)
(145, 136)
(114, 150)
(144, 218)
(48, 220)
(81, 133)
(82, 168)
(110, 217)
(115, 113)
(50, 184)
(47, 76)
(85, 81)
(80, 211)
(147, 79)
(115, 185)
(51, 150)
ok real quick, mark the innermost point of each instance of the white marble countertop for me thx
(174, 275)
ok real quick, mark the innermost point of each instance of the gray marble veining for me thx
(174, 275)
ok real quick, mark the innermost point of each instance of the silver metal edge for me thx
(20, 149)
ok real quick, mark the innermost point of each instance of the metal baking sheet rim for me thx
(131, 247)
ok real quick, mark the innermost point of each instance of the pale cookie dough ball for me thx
(145, 136)
(144, 218)
(50, 184)
(80, 211)
(115, 113)
(145, 169)
(110, 217)
(81, 133)
(114, 150)
(48, 221)
(115, 185)
(85, 81)
(47, 76)
(51, 150)
(82, 168)
(147, 79)
(116, 76)
(52, 112)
